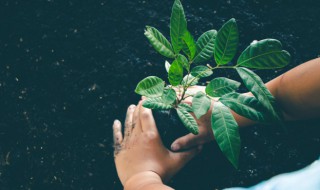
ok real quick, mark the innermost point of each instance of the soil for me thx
(69, 68)
(169, 126)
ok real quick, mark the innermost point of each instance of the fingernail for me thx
(175, 147)
(116, 122)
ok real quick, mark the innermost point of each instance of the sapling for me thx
(193, 60)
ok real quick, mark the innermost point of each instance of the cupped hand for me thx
(141, 149)
(205, 132)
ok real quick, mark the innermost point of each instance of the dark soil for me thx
(169, 126)
(69, 68)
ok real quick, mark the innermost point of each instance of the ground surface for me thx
(69, 68)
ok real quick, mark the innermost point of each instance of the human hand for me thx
(141, 151)
(205, 132)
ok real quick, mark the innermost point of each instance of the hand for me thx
(205, 132)
(141, 150)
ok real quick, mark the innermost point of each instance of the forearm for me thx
(145, 181)
(297, 92)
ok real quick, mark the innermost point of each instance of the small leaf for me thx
(200, 104)
(226, 42)
(226, 132)
(178, 25)
(151, 86)
(246, 106)
(183, 61)
(201, 71)
(205, 46)
(191, 80)
(175, 73)
(169, 96)
(189, 46)
(155, 103)
(221, 86)
(188, 121)
(259, 90)
(159, 42)
(264, 54)
(185, 106)
(167, 66)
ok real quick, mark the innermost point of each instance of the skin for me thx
(142, 161)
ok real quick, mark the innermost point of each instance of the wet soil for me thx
(69, 68)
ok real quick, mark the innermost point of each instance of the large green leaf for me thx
(221, 86)
(175, 73)
(155, 103)
(185, 106)
(200, 104)
(205, 46)
(178, 26)
(183, 61)
(190, 80)
(188, 120)
(264, 54)
(167, 66)
(226, 132)
(226, 42)
(189, 46)
(159, 42)
(169, 96)
(246, 106)
(201, 71)
(256, 86)
(151, 86)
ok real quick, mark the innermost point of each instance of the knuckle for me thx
(145, 115)
(151, 135)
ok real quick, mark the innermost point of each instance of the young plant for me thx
(185, 71)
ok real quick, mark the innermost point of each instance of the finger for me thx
(136, 121)
(143, 98)
(117, 136)
(182, 158)
(147, 120)
(186, 142)
(128, 122)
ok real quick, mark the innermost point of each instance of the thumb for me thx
(186, 142)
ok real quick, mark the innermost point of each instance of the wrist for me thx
(142, 180)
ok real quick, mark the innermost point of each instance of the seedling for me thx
(185, 71)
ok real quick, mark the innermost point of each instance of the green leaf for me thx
(205, 46)
(221, 86)
(159, 42)
(185, 106)
(190, 78)
(169, 96)
(256, 86)
(189, 46)
(188, 121)
(183, 61)
(201, 71)
(200, 104)
(246, 106)
(226, 132)
(155, 103)
(264, 54)
(226, 42)
(178, 25)
(151, 86)
(167, 66)
(175, 73)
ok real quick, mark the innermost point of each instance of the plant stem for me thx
(185, 87)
